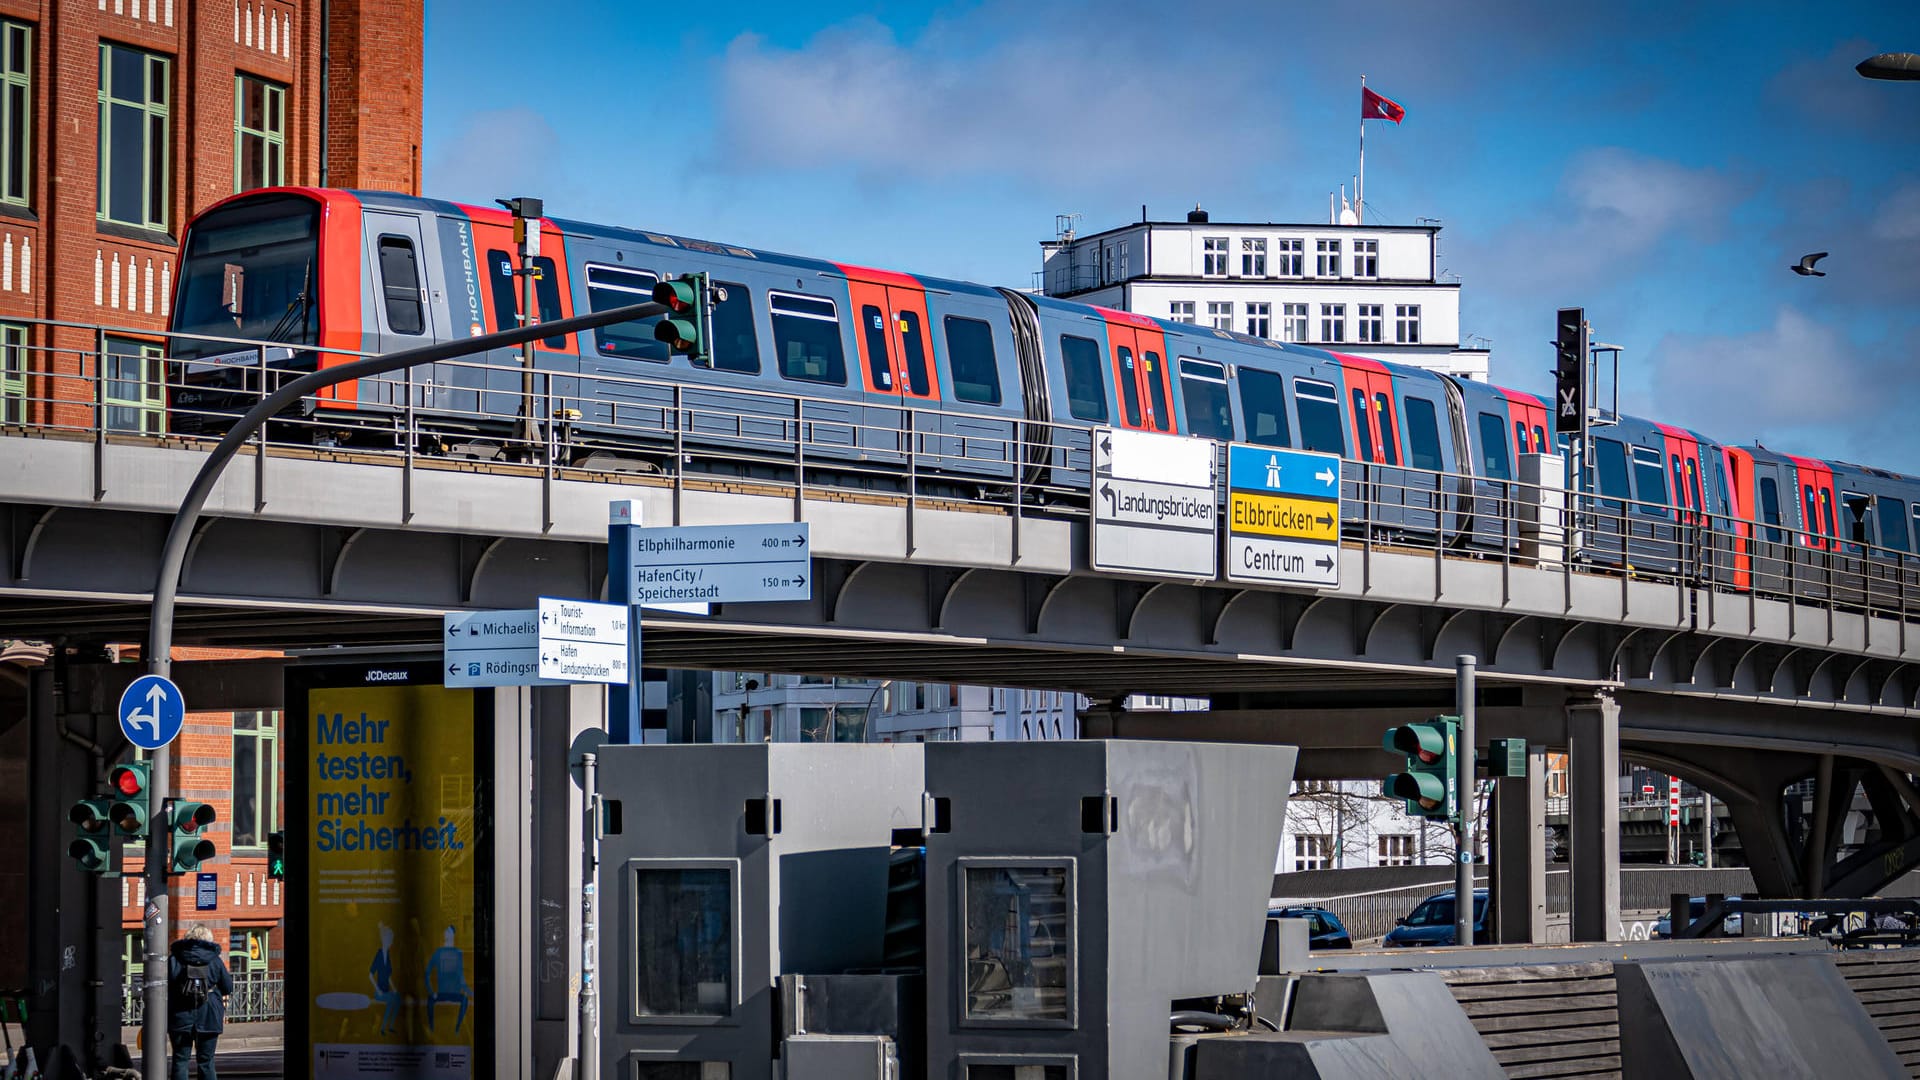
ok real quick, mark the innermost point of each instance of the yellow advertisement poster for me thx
(391, 787)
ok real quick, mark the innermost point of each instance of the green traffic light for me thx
(91, 832)
(277, 855)
(1430, 783)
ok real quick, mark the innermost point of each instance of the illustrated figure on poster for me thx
(447, 980)
(380, 974)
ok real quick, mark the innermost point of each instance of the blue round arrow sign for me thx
(152, 711)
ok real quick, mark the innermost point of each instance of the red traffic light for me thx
(129, 780)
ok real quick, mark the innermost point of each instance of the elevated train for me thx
(968, 373)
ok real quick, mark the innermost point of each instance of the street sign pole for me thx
(623, 700)
(1463, 803)
(154, 933)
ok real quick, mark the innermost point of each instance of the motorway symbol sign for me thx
(582, 641)
(722, 564)
(493, 648)
(1283, 516)
(152, 711)
(1155, 504)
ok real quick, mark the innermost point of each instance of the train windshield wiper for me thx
(297, 311)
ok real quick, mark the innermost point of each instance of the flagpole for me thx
(1360, 182)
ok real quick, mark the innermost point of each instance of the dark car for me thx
(1324, 929)
(1431, 923)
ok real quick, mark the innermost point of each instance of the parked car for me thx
(1431, 923)
(1696, 907)
(1324, 928)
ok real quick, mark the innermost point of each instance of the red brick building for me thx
(121, 119)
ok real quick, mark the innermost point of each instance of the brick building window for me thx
(133, 137)
(259, 132)
(16, 111)
(256, 775)
(134, 397)
(13, 373)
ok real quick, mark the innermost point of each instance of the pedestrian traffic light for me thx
(1431, 782)
(129, 784)
(190, 846)
(1570, 372)
(277, 855)
(91, 832)
(688, 326)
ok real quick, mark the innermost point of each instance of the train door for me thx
(1818, 542)
(1737, 505)
(504, 289)
(896, 360)
(1377, 446)
(402, 316)
(1138, 363)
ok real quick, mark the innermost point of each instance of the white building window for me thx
(1327, 261)
(1293, 321)
(1220, 314)
(1106, 265)
(1253, 257)
(1370, 325)
(1123, 260)
(1366, 258)
(1406, 324)
(1180, 311)
(1333, 322)
(1312, 851)
(1215, 262)
(1259, 319)
(1396, 849)
(1291, 259)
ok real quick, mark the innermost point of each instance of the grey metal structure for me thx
(1076, 890)
(729, 867)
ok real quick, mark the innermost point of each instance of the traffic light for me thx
(1570, 372)
(129, 784)
(92, 829)
(190, 847)
(1431, 783)
(277, 855)
(687, 327)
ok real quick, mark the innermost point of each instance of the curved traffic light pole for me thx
(166, 586)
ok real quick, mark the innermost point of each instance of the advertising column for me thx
(389, 947)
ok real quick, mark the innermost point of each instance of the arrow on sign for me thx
(1326, 475)
(453, 669)
(1325, 520)
(453, 631)
(799, 540)
(156, 697)
(1106, 445)
(1325, 562)
(1113, 501)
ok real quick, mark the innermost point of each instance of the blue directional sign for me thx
(718, 564)
(152, 711)
(1283, 516)
(1276, 471)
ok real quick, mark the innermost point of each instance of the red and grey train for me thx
(972, 369)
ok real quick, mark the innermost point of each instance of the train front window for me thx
(249, 272)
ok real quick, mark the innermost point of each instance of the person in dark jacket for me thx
(198, 986)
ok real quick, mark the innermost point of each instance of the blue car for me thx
(1431, 923)
(1324, 929)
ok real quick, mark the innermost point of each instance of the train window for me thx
(1693, 485)
(400, 285)
(1649, 480)
(1494, 463)
(610, 287)
(1423, 435)
(546, 293)
(1615, 482)
(1893, 523)
(735, 346)
(976, 375)
(806, 337)
(1203, 389)
(1770, 507)
(1319, 407)
(1519, 436)
(1857, 507)
(1383, 406)
(1679, 482)
(1263, 405)
(502, 289)
(1156, 391)
(1813, 515)
(1362, 426)
(1826, 511)
(913, 342)
(1086, 389)
(873, 325)
(1539, 439)
(1129, 386)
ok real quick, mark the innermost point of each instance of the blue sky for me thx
(1659, 164)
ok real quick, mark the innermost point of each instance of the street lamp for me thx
(866, 718)
(1893, 67)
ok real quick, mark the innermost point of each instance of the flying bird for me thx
(1805, 266)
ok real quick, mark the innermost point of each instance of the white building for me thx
(760, 707)
(932, 712)
(1348, 824)
(1369, 290)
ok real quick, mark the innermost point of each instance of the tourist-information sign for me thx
(1283, 516)
(722, 564)
(1154, 504)
(152, 711)
(580, 641)
(493, 648)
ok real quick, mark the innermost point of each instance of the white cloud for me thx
(1899, 216)
(499, 153)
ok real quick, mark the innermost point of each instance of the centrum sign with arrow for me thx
(1283, 516)
(1155, 504)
